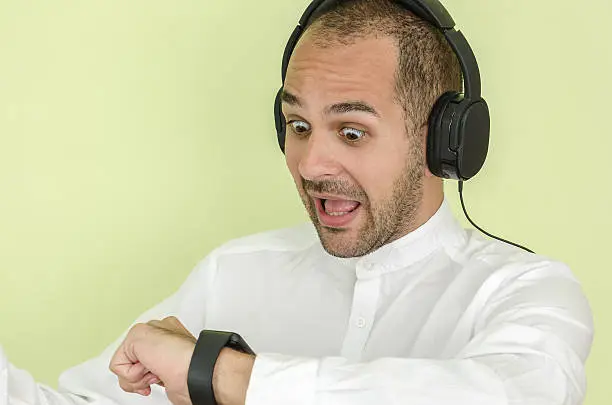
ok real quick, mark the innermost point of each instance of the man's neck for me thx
(430, 204)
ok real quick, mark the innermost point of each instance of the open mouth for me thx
(336, 213)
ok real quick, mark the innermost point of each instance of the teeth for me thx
(337, 214)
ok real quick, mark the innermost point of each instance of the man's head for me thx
(358, 92)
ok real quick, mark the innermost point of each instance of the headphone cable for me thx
(482, 230)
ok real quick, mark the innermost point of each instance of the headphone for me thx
(459, 123)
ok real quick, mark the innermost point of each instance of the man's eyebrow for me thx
(338, 108)
(290, 99)
(350, 106)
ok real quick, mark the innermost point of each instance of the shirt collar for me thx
(441, 231)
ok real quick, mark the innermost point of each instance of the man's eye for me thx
(299, 127)
(352, 134)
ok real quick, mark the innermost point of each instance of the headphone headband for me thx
(459, 122)
(431, 11)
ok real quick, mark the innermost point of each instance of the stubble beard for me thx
(384, 222)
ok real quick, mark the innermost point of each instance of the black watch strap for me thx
(207, 349)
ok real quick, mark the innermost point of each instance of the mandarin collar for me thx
(441, 232)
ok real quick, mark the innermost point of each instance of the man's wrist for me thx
(231, 376)
(211, 374)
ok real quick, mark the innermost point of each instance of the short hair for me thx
(427, 66)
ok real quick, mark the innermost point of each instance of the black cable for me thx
(482, 230)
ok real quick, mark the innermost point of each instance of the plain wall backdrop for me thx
(136, 136)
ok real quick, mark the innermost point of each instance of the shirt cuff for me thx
(279, 380)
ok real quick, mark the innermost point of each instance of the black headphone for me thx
(459, 123)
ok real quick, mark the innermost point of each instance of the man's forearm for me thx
(231, 377)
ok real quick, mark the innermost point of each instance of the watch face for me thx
(237, 343)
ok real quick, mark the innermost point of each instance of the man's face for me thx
(358, 172)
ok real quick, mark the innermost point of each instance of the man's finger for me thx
(126, 386)
(134, 373)
(130, 372)
(144, 392)
(124, 358)
(151, 379)
(143, 384)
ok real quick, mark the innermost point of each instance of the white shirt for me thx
(440, 316)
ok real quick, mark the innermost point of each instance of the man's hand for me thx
(158, 352)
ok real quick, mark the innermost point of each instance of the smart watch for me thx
(202, 365)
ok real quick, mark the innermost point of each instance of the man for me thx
(386, 299)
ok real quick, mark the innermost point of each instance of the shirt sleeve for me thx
(91, 383)
(530, 341)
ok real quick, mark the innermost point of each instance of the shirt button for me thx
(370, 266)
(361, 322)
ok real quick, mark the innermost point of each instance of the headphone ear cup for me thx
(473, 131)
(458, 137)
(279, 120)
(438, 134)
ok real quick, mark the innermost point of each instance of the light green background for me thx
(137, 135)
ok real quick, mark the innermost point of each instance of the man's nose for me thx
(319, 159)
